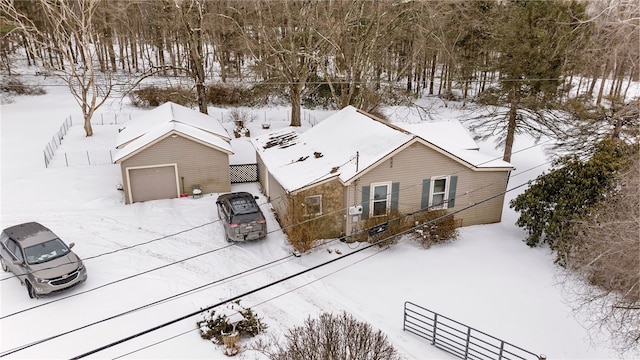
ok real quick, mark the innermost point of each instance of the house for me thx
(353, 167)
(171, 150)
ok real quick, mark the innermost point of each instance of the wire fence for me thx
(89, 157)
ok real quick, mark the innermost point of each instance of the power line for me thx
(201, 254)
(186, 230)
(208, 252)
(260, 303)
(184, 317)
(23, 347)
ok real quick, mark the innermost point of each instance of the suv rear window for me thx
(246, 217)
(243, 205)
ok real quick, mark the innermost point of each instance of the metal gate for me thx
(243, 173)
(459, 339)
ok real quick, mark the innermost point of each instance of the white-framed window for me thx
(439, 190)
(313, 205)
(380, 198)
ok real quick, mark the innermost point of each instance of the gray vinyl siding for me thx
(197, 164)
(263, 175)
(277, 196)
(416, 163)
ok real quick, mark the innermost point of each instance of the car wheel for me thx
(31, 290)
(4, 266)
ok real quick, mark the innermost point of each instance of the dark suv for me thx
(39, 259)
(241, 217)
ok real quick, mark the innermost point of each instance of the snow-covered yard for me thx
(150, 263)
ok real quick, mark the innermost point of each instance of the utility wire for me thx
(233, 298)
(201, 254)
(23, 347)
(260, 303)
(208, 252)
(209, 223)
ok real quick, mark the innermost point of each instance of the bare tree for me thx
(286, 42)
(360, 32)
(191, 15)
(608, 262)
(67, 31)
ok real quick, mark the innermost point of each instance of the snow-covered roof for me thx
(350, 141)
(170, 128)
(444, 134)
(166, 113)
(452, 137)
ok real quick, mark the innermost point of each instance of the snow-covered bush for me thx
(231, 318)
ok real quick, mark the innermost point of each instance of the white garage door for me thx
(153, 183)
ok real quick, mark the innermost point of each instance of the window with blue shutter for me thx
(453, 183)
(426, 185)
(439, 192)
(395, 195)
(365, 202)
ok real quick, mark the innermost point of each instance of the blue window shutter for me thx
(426, 184)
(365, 202)
(395, 194)
(453, 182)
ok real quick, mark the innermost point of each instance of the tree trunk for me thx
(511, 127)
(603, 79)
(295, 95)
(88, 130)
(433, 73)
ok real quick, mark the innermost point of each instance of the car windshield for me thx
(45, 251)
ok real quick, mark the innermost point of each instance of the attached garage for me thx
(153, 182)
(166, 157)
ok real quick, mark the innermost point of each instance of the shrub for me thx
(318, 94)
(425, 230)
(152, 96)
(264, 94)
(214, 325)
(332, 337)
(428, 232)
(14, 86)
(240, 117)
(220, 94)
(304, 235)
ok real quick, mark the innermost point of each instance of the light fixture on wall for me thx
(174, 136)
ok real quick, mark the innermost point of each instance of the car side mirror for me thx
(18, 262)
(71, 245)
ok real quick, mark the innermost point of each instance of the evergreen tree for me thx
(533, 42)
(551, 207)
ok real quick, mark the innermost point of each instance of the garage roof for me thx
(167, 113)
(165, 130)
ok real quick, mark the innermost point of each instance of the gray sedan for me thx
(39, 259)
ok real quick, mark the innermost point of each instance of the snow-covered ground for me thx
(153, 262)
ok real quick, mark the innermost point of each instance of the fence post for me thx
(66, 160)
(466, 347)
(88, 158)
(404, 317)
(435, 326)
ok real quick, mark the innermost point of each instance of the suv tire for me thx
(4, 266)
(30, 290)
